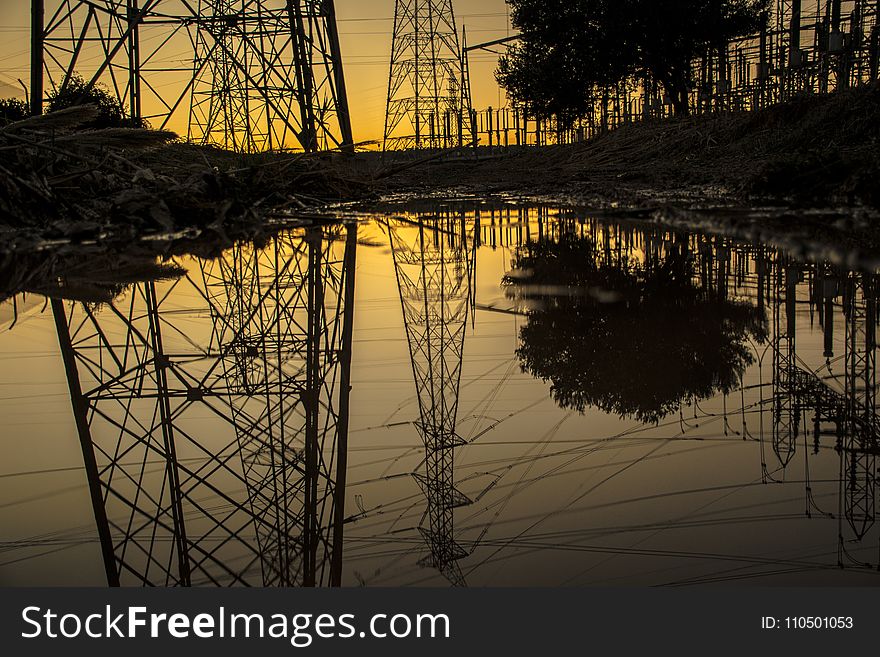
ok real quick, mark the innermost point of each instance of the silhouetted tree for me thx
(13, 109)
(631, 339)
(111, 113)
(571, 48)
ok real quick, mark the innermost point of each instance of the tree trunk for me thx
(676, 87)
(680, 94)
(681, 102)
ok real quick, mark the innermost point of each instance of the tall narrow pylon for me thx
(429, 101)
(434, 263)
(248, 75)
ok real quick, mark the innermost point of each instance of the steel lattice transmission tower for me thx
(429, 101)
(213, 416)
(434, 263)
(248, 75)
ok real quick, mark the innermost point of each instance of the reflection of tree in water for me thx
(630, 338)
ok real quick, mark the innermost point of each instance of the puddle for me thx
(482, 397)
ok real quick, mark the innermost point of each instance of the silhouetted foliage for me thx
(13, 109)
(631, 339)
(111, 114)
(571, 48)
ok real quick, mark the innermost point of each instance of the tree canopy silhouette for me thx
(571, 48)
(635, 340)
(13, 109)
(77, 91)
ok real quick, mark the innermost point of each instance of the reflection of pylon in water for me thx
(860, 440)
(786, 410)
(280, 333)
(260, 343)
(434, 263)
(849, 415)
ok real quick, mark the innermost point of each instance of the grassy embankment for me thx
(815, 150)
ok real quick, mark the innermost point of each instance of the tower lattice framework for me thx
(429, 103)
(848, 410)
(786, 397)
(434, 265)
(248, 75)
(213, 417)
(861, 441)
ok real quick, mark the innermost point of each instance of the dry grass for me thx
(59, 181)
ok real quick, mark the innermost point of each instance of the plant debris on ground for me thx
(60, 182)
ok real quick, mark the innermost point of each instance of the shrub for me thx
(111, 113)
(13, 109)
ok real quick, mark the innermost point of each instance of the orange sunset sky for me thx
(365, 31)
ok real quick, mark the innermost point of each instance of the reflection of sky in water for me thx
(554, 496)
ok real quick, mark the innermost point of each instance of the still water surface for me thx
(478, 397)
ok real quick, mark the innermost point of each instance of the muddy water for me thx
(456, 397)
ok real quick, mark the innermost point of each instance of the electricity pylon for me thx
(248, 75)
(213, 417)
(434, 264)
(429, 103)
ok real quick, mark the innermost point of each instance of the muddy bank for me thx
(59, 182)
(812, 151)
